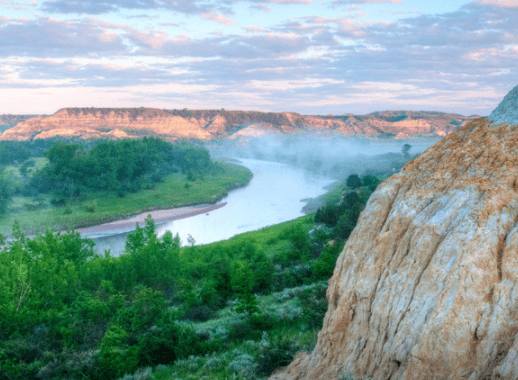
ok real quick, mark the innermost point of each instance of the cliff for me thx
(426, 287)
(94, 123)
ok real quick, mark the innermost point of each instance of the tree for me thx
(370, 181)
(6, 192)
(116, 355)
(406, 148)
(353, 181)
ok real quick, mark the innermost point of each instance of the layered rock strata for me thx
(94, 123)
(427, 284)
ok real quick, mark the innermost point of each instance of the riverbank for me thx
(103, 207)
(158, 216)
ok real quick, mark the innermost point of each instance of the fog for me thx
(331, 156)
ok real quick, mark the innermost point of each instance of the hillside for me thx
(9, 121)
(425, 287)
(94, 123)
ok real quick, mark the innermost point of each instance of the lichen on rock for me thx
(426, 287)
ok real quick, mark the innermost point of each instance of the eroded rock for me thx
(426, 286)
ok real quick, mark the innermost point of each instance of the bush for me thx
(117, 356)
(199, 313)
(314, 305)
(275, 354)
(141, 374)
(91, 206)
(243, 365)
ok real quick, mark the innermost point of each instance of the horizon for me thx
(302, 56)
(236, 110)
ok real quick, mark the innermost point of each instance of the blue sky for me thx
(306, 56)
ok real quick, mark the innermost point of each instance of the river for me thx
(274, 195)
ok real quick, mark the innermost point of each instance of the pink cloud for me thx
(216, 17)
(500, 3)
(254, 29)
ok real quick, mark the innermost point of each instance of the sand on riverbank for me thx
(159, 217)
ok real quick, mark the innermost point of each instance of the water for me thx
(274, 195)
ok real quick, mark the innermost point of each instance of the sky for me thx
(308, 56)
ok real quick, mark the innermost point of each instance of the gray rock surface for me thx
(507, 110)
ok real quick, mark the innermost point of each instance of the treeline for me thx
(16, 152)
(117, 166)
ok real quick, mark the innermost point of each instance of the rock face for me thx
(507, 110)
(427, 284)
(94, 123)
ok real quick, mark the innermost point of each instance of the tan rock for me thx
(427, 284)
(216, 124)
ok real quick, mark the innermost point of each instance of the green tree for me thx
(405, 150)
(6, 192)
(117, 357)
(370, 181)
(353, 181)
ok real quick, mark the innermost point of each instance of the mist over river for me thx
(274, 195)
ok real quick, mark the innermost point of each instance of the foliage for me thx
(118, 166)
(74, 314)
(6, 192)
(370, 181)
(405, 150)
(353, 181)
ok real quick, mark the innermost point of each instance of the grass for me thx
(100, 207)
(269, 238)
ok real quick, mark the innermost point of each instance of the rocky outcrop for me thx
(507, 110)
(94, 123)
(427, 284)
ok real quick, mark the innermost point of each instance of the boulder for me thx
(426, 287)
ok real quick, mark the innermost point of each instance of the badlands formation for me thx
(427, 284)
(113, 123)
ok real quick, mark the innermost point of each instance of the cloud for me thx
(261, 7)
(13, 5)
(254, 29)
(52, 37)
(348, 2)
(105, 6)
(216, 17)
(499, 3)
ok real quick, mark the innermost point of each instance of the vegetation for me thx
(77, 185)
(234, 309)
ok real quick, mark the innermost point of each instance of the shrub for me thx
(91, 206)
(243, 365)
(276, 353)
(117, 356)
(192, 363)
(199, 313)
(141, 374)
(314, 305)
(241, 329)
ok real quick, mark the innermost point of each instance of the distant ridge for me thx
(116, 123)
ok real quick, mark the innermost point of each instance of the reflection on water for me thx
(273, 196)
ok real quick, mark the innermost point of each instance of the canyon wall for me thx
(94, 123)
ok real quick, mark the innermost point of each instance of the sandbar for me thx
(159, 217)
